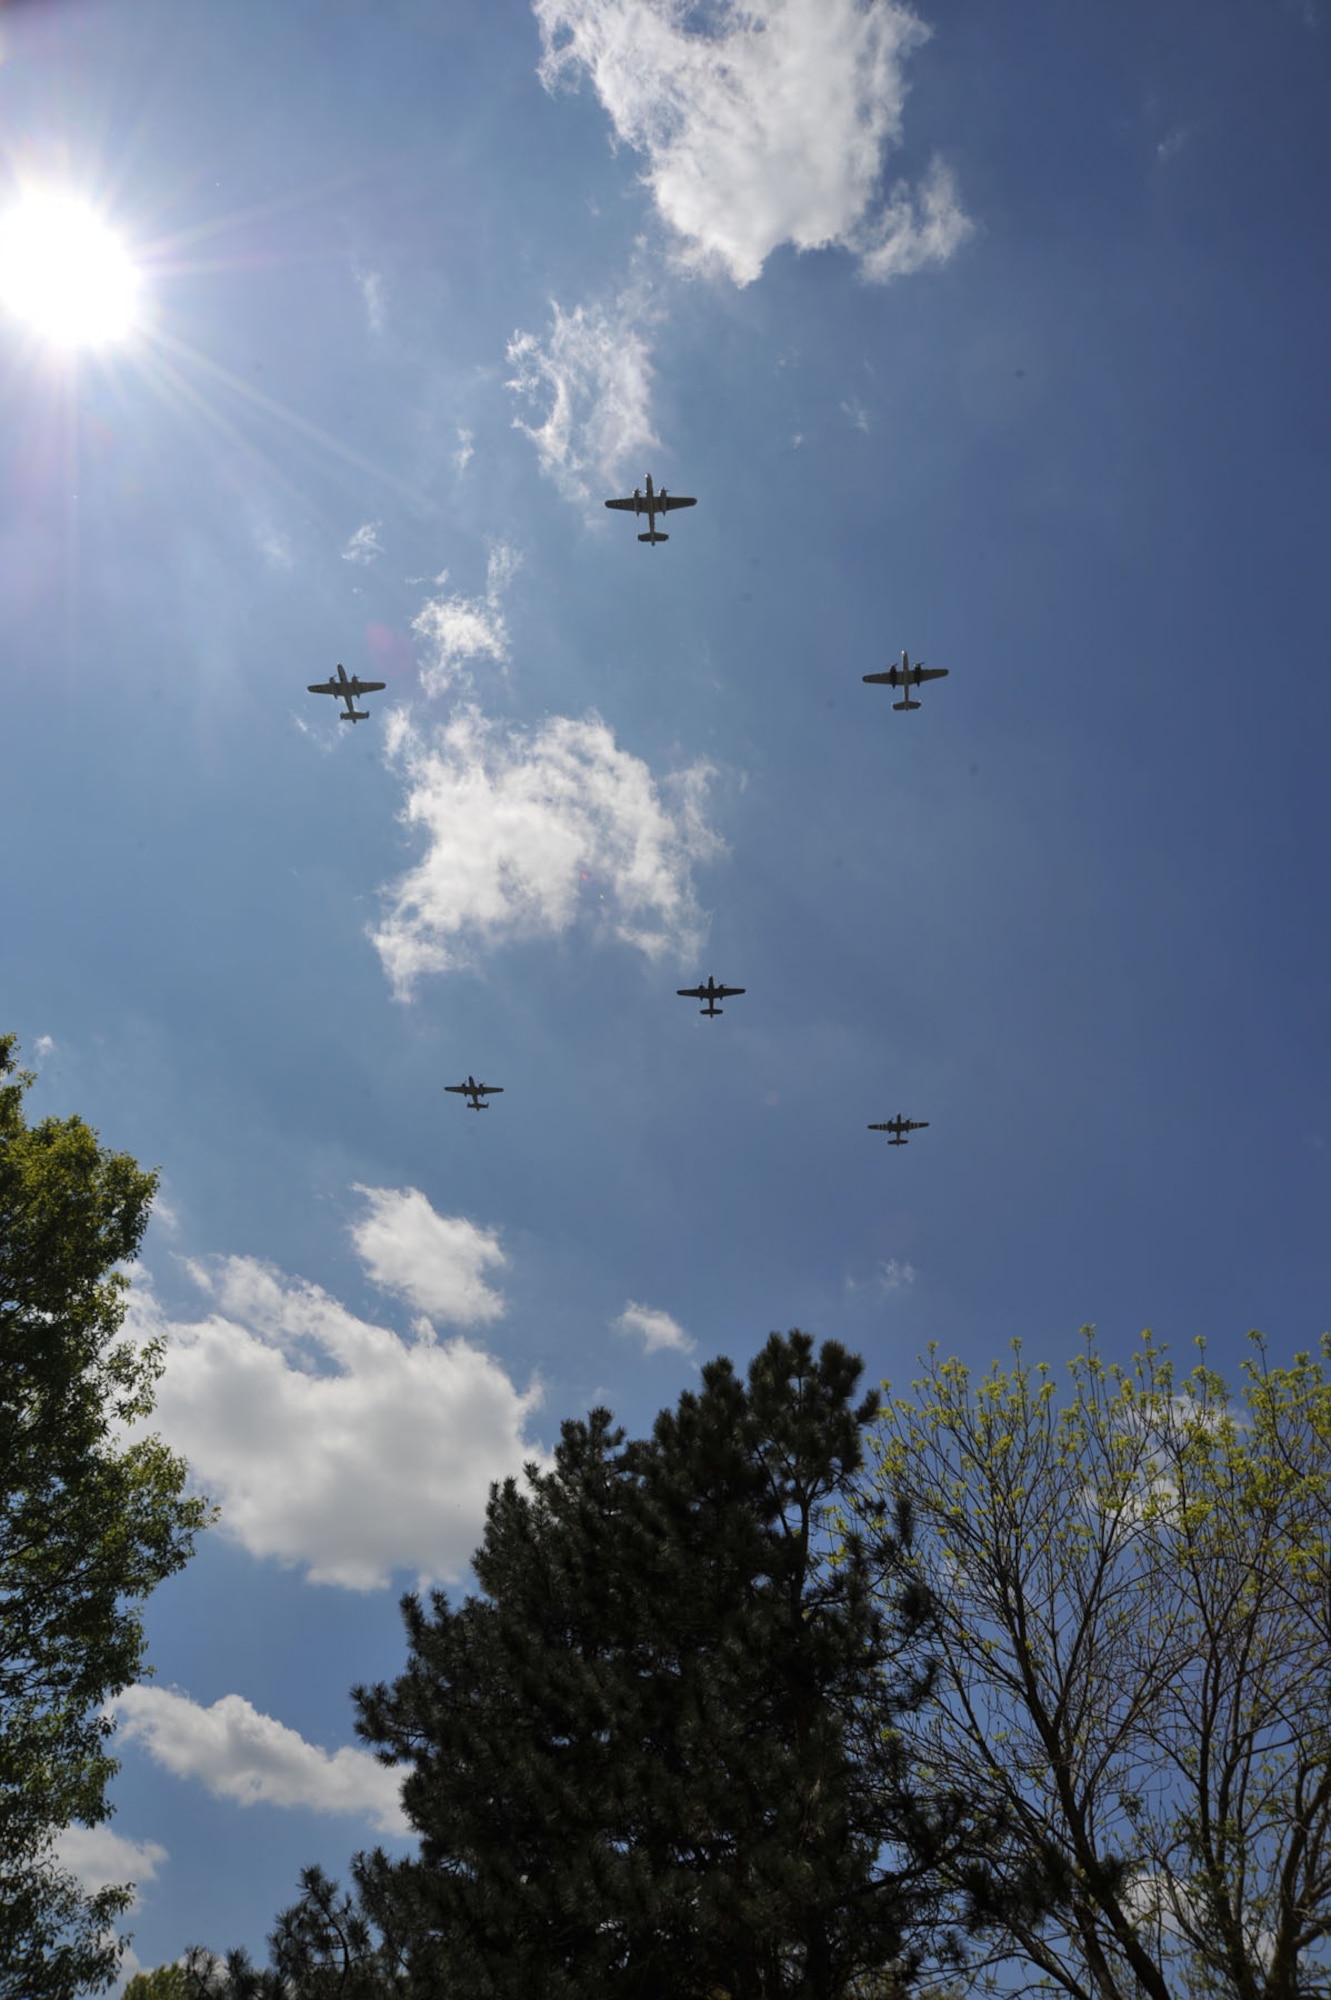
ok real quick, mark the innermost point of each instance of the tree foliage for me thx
(1131, 1592)
(638, 1764)
(87, 1528)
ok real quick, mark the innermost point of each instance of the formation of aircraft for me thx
(349, 691)
(907, 676)
(476, 1093)
(651, 504)
(899, 1127)
(711, 993)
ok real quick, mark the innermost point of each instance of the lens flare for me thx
(63, 273)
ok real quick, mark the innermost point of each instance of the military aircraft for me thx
(651, 504)
(899, 1127)
(474, 1092)
(350, 691)
(907, 676)
(711, 993)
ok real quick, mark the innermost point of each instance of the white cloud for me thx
(436, 1262)
(239, 1753)
(914, 229)
(466, 450)
(99, 1858)
(364, 546)
(371, 285)
(460, 628)
(762, 122)
(332, 1443)
(529, 831)
(43, 1047)
(275, 548)
(890, 1276)
(655, 1329)
(594, 373)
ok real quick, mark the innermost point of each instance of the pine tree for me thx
(638, 1761)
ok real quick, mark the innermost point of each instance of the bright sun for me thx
(64, 273)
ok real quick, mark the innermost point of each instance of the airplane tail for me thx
(355, 715)
(907, 703)
(654, 536)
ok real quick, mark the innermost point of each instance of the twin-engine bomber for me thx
(711, 993)
(899, 1127)
(475, 1093)
(907, 676)
(349, 691)
(651, 504)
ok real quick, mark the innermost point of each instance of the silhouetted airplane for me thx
(711, 993)
(350, 691)
(899, 1127)
(907, 676)
(651, 504)
(474, 1092)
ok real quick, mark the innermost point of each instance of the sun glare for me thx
(63, 273)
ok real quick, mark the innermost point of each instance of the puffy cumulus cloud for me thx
(43, 1047)
(100, 1859)
(364, 546)
(437, 1262)
(332, 1443)
(528, 831)
(459, 629)
(656, 1330)
(239, 1753)
(593, 373)
(762, 122)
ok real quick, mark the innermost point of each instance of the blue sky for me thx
(995, 333)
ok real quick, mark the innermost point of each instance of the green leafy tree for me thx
(1131, 1592)
(639, 1764)
(87, 1527)
(164, 1982)
(202, 1975)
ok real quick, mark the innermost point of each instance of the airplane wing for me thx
(691, 992)
(669, 500)
(889, 679)
(324, 687)
(459, 1088)
(919, 674)
(630, 506)
(369, 687)
(728, 992)
(489, 1090)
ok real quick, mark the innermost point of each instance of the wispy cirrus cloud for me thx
(459, 629)
(516, 821)
(239, 1753)
(371, 287)
(364, 546)
(592, 374)
(762, 122)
